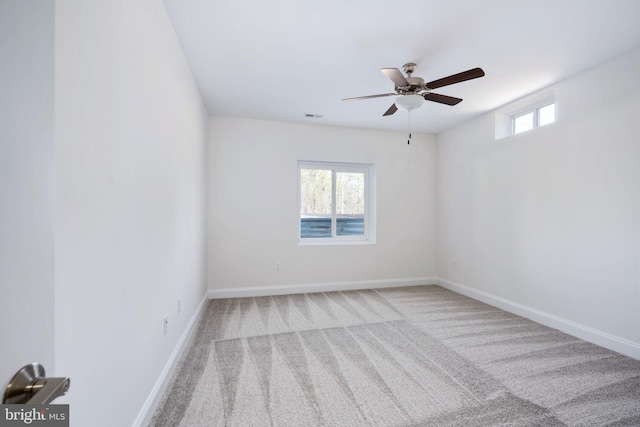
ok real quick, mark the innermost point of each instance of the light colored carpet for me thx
(413, 356)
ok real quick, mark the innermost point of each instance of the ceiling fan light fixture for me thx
(409, 102)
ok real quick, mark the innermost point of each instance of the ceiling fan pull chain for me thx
(409, 114)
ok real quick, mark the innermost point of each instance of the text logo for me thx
(34, 415)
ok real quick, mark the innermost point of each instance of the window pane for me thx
(349, 204)
(522, 123)
(315, 203)
(546, 114)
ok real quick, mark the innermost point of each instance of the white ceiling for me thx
(282, 59)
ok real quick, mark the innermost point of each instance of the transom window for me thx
(538, 109)
(535, 117)
(334, 202)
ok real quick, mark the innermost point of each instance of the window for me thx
(537, 116)
(546, 114)
(524, 114)
(335, 203)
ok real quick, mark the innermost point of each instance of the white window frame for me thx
(369, 203)
(505, 115)
(535, 109)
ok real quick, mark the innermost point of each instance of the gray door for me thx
(26, 185)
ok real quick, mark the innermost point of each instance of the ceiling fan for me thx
(413, 91)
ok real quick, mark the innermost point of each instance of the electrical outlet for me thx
(165, 324)
(179, 306)
(277, 265)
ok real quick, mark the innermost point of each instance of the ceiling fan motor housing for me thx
(416, 84)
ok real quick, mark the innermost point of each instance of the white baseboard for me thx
(150, 405)
(261, 291)
(603, 339)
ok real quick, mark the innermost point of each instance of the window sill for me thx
(332, 242)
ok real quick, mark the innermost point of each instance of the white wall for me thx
(26, 185)
(253, 212)
(130, 136)
(550, 218)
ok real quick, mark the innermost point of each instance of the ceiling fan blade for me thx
(442, 99)
(369, 96)
(456, 78)
(391, 110)
(396, 76)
